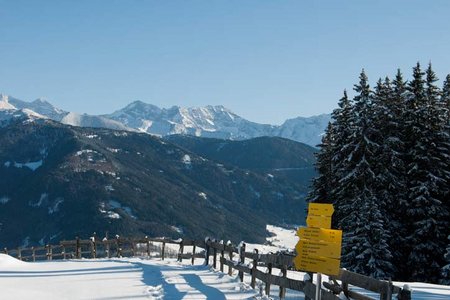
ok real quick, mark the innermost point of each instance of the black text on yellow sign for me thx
(318, 221)
(317, 264)
(306, 248)
(320, 209)
(320, 234)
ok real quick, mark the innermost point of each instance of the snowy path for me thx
(115, 279)
(134, 278)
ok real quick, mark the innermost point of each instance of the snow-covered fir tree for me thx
(389, 107)
(426, 213)
(389, 177)
(365, 248)
(323, 182)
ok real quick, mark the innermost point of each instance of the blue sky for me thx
(265, 60)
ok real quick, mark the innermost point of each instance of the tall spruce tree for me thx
(392, 183)
(322, 184)
(343, 126)
(425, 211)
(365, 248)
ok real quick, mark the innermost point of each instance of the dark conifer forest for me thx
(384, 162)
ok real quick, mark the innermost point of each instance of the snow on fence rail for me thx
(250, 263)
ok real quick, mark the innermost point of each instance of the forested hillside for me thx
(59, 181)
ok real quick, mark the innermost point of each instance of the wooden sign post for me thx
(319, 247)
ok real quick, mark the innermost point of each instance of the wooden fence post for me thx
(133, 247)
(78, 248)
(19, 253)
(193, 255)
(33, 253)
(94, 246)
(49, 252)
(310, 280)
(389, 290)
(214, 256)
(405, 293)
(63, 251)
(230, 269)
(181, 251)
(282, 294)
(269, 271)
(108, 248)
(241, 259)
(222, 256)
(162, 250)
(147, 243)
(255, 264)
(207, 251)
(119, 250)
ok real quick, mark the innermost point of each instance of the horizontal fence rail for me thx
(258, 266)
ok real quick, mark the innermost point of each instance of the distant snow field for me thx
(141, 278)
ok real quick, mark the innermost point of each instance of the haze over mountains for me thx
(208, 121)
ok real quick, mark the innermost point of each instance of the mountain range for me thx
(59, 181)
(209, 121)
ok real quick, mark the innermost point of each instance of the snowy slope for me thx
(115, 279)
(84, 120)
(135, 278)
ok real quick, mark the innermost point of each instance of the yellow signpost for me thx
(320, 234)
(318, 221)
(320, 209)
(319, 247)
(318, 264)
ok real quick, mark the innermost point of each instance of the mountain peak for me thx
(137, 106)
(4, 103)
(41, 100)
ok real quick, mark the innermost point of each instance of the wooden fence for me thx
(258, 266)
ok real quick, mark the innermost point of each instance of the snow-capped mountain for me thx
(307, 130)
(9, 111)
(12, 107)
(4, 103)
(40, 106)
(215, 121)
(84, 120)
(208, 121)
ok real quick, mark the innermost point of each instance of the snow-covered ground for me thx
(131, 278)
(141, 278)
